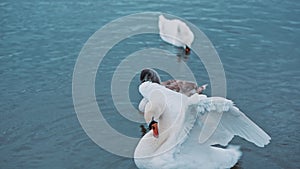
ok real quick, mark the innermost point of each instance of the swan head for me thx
(187, 50)
(149, 75)
(155, 106)
(154, 127)
(153, 112)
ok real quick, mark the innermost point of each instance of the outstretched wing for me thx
(220, 121)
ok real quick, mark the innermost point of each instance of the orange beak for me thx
(154, 128)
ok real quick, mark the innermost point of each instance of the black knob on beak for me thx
(151, 123)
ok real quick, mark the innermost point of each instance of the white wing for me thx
(220, 121)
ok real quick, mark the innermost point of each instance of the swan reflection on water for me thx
(182, 55)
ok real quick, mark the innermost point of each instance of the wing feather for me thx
(239, 124)
(220, 121)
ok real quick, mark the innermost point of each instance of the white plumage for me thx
(175, 32)
(188, 127)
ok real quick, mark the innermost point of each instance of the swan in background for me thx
(176, 33)
(185, 130)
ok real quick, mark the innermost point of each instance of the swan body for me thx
(175, 32)
(189, 127)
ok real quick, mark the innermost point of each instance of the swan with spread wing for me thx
(185, 130)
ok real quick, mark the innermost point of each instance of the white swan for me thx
(177, 140)
(175, 32)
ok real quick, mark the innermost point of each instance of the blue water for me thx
(258, 43)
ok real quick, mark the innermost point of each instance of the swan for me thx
(185, 87)
(176, 33)
(185, 130)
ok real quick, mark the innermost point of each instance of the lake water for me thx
(257, 41)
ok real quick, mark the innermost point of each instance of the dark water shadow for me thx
(237, 166)
(182, 55)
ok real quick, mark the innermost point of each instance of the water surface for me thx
(258, 43)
